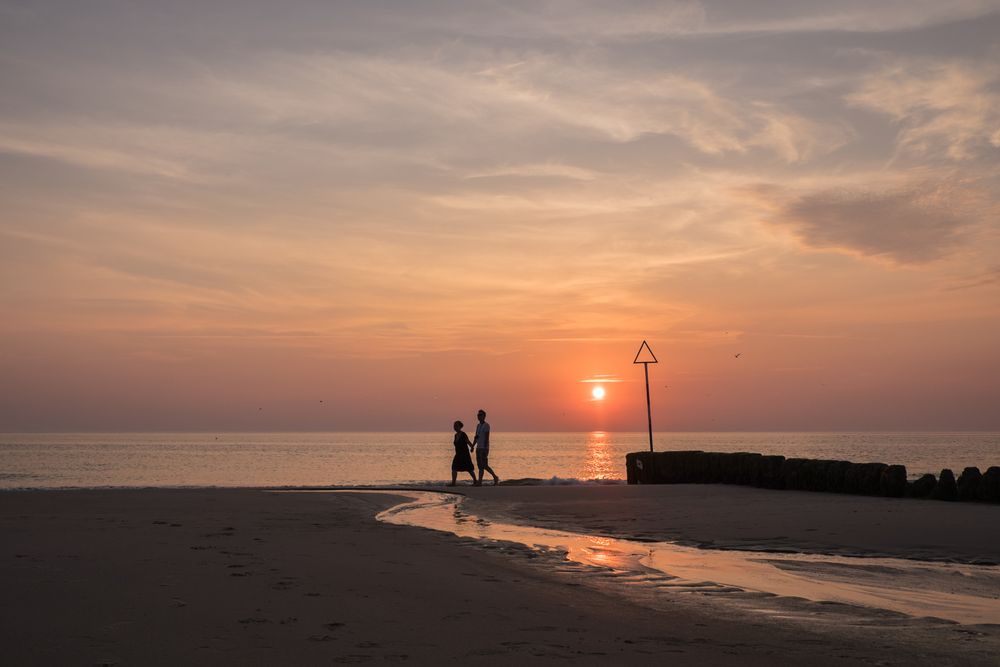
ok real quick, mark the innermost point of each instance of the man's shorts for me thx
(482, 458)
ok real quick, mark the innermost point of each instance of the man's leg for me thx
(496, 479)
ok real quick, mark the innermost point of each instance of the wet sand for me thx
(244, 576)
(723, 516)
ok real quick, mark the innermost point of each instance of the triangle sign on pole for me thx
(645, 355)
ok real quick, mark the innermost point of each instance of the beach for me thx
(734, 517)
(251, 576)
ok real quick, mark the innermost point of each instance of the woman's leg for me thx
(454, 475)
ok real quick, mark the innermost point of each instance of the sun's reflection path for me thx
(599, 464)
(954, 592)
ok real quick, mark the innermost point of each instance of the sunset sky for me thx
(386, 215)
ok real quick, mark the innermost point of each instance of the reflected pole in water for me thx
(646, 357)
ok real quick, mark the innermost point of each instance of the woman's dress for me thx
(463, 459)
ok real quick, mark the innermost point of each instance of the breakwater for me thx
(778, 472)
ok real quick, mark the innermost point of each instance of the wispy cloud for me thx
(604, 379)
(989, 278)
(941, 108)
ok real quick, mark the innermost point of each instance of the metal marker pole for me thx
(648, 358)
(649, 411)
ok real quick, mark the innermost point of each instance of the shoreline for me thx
(236, 575)
(633, 505)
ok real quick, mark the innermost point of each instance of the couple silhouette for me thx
(464, 448)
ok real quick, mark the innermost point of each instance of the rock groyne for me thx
(778, 472)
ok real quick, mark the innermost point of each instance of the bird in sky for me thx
(738, 354)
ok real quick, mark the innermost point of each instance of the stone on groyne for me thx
(893, 482)
(968, 483)
(989, 486)
(923, 487)
(946, 489)
(777, 472)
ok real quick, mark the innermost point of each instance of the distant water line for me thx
(323, 459)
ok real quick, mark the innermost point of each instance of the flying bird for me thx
(738, 355)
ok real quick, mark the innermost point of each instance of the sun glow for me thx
(597, 393)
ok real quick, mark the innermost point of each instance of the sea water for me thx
(955, 592)
(372, 459)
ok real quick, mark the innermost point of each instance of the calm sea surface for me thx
(292, 459)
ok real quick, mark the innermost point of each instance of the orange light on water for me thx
(599, 464)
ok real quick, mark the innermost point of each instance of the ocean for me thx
(372, 459)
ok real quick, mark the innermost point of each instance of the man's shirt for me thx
(483, 436)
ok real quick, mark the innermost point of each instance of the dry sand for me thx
(250, 577)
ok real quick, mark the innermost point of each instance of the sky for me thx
(385, 215)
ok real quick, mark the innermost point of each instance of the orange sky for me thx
(214, 220)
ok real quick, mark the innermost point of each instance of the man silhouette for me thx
(481, 443)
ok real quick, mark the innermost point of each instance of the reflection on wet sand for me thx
(967, 594)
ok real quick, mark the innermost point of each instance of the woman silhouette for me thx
(463, 458)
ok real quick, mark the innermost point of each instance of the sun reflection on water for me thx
(599, 464)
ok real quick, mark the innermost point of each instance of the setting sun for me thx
(598, 393)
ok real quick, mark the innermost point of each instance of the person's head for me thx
(481, 415)
(458, 426)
